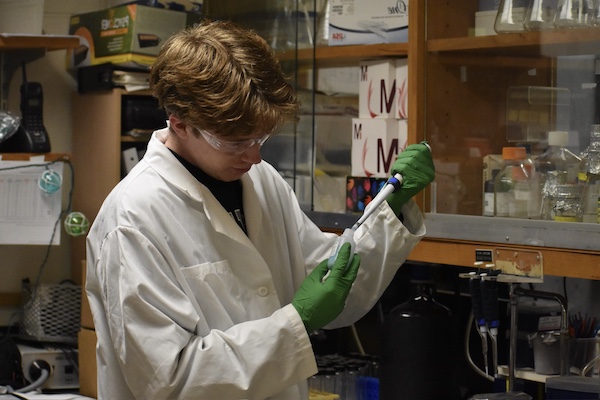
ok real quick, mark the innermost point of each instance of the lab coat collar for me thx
(160, 158)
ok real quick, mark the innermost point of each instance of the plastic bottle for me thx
(589, 177)
(512, 188)
(419, 348)
(556, 166)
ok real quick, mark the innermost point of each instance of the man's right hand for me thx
(319, 302)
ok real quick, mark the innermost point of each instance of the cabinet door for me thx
(484, 93)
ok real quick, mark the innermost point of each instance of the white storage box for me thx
(383, 89)
(367, 21)
(376, 144)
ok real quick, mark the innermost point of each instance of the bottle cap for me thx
(514, 153)
(558, 138)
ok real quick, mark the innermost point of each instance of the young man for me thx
(204, 276)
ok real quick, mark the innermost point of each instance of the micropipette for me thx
(392, 184)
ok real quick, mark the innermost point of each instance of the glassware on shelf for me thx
(511, 16)
(589, 177)
(323, 24)
(513, 186)
(595, 17)
(556, 166)
(567, 203)
(540, 15)
(573, 13)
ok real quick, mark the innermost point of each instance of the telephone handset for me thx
(31, 137)
(32, 116)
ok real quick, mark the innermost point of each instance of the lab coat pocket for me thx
(219, 293)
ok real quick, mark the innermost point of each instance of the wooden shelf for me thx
(49, 157)
(9, 41)
(562, 42)
(18, 48)
(337, 56)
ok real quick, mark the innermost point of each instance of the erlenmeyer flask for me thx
(510, 17)
(323, 23)
(573, 13)
(540, 15)
(595, 17)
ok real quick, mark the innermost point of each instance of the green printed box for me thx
(127, 35)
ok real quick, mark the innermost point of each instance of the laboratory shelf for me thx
(340, 56)
(552, 43)
(18, 48)
(527, 374)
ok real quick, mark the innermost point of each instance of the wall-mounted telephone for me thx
(31, 136)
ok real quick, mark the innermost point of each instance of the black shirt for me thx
(229, 194)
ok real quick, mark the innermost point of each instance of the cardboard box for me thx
(367, 21)
(376, 144)
(401, 88)
(129, 35)
(377, 89)
(86, 320)
(88, 371)
(383, 89)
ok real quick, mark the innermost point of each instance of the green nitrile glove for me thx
(319, 302)
(415, 164)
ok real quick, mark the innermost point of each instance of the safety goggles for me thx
(232, 147)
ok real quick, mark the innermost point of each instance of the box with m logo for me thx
(376, 144)
(383, 89)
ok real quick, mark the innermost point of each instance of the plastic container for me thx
(556, 166)
(513, 186)
(589, 177)
(533, 111)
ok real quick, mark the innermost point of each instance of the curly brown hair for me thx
(223, 78)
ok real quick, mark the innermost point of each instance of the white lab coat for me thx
(186, 306)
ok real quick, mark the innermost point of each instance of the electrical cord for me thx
(44, 369)
(38, 365)
(468, 352)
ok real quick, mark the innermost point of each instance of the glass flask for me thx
(540, 15)
(511, 16)
(567, 203)
(556, 166)
(589, 177)
(595, 17)
(513, 186)
(573, 13)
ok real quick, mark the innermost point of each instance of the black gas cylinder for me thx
(419, 355)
